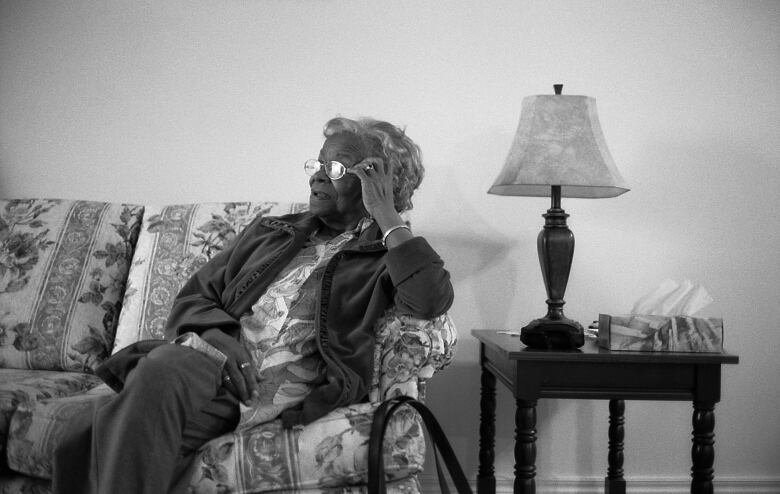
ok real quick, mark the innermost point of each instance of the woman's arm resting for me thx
(423, 286)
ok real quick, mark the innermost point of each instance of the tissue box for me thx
(660, 333)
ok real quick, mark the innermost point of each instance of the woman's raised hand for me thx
(376, 180)
(238, 375)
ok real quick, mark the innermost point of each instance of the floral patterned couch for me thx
(80, 280)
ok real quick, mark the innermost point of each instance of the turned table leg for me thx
(525, 447)
(615, 483)
(486, 480)
(703, 451)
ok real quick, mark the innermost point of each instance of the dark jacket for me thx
(359, 283)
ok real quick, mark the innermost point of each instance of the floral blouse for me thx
(279, 333)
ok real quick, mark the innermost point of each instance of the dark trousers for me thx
(142, 440)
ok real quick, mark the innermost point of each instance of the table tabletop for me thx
(509, 344)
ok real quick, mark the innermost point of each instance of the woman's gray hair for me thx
(387, 141)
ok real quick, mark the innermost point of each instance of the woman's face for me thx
(338, 203)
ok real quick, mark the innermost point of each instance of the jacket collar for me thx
(369, 239)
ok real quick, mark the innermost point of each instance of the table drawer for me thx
(598, 380)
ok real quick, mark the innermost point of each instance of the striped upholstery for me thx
(330, 452)
(22, 484)
(19, 387)
(63, 266)
(176, 241)
(173, 242)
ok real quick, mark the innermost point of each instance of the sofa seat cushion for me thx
(36, 428)
(63, 269)
(15, 484)
(22, 387)
(330, 452)
(22, 484)
(407, 485)
(327, 453)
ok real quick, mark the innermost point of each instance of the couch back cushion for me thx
(63, 270)
(175, 241)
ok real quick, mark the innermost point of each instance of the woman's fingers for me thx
(236, 378)
(376, 183)
(227, 383)
(238, 375)
(240, 381)
(241, 372)
(247, 369)
(369, 168)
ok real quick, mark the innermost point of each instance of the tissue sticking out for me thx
(663, 321)
(673, 299)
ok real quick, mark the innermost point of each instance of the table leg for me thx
(486, 480)
(525, 447)
(615, 483)
(703, 451)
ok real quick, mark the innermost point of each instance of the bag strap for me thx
(376, 470)
(431, 431)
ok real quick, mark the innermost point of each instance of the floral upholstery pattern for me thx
(176, 241)
(37, 426)
(63, 266)
(331, 453)
(327, 456)
(408, 352)
(23, 387)
(327, 453)
(29, 485)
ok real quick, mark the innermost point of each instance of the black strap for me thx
(376, 469)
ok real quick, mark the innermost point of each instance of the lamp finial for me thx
(558, 88)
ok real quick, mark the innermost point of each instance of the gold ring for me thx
(243, 365)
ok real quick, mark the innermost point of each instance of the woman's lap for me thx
(212, 411)
(173, 395)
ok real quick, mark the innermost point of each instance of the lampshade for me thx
(559, 142)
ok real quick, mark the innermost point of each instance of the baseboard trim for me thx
(654, 485)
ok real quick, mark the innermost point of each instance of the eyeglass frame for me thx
(310, 170)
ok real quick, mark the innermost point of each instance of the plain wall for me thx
(183, 101)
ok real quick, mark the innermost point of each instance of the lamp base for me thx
(548, 334)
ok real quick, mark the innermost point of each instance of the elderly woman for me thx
(277, 325)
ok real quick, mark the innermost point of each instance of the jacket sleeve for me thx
(200, 304)
(422, 286)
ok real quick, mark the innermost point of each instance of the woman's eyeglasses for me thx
(333, 169)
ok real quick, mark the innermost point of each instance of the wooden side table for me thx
(593, 373)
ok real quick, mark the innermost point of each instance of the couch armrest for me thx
(408, 352)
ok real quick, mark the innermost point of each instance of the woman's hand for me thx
(238, 375)
(376, 180)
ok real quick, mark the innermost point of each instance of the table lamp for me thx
(558, 150)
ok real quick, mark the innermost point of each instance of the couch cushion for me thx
(20, 483)
(22, 387)
(408, 485)
(63, 267)
(16, 484)
(174, 242)
(331, 451)
(36, 428)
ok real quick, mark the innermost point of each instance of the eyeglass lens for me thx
(333, 169)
